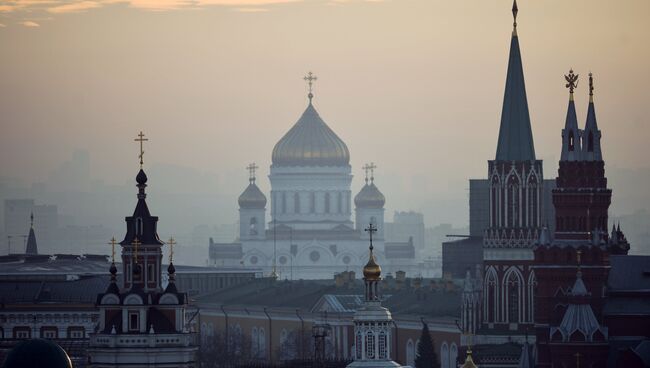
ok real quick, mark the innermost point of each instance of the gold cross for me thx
(251, 171)
(171, 243)
(141, 139)
(310, 78)
(136, 243)
(112, 243)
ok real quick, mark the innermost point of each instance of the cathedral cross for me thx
(112, 243)
(572, 81)
(371, 229)
(141, 139)
(251, 171)
(171, 243)
(372, 168)
(591, 85)
(310, 78)
(136, 243)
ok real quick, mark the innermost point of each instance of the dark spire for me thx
(32, 247)
(515, 134)
(571, 150)
(591, 138)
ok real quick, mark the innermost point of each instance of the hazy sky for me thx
(414, 85)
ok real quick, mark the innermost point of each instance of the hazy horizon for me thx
(415, 86)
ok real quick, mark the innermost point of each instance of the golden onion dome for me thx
(310, 142)
(369, 197)
(252, 197)
(372, 271)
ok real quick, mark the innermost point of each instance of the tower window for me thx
(296, 203)
(312, 202)
(134, 324)
(138, 226)
(253, 226)
(370, 345)
(151, 275)
(590, 142)
(571, 141)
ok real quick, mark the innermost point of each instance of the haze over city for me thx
(414, 86)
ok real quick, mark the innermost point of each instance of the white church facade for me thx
(310, 233)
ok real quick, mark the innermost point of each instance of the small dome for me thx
(37, 353)
(369, 197)
(310, 142)
(141, 178)
(372, 271)
(252, 198)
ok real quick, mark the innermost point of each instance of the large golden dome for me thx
(310, 142)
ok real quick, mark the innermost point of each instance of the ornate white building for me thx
(311, 233)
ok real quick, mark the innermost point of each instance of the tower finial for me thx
(112, 243)
(572, 82)
(310, 78)
(141, 139)
(31, 220)
(366, 168)
(171, 243)
(372, 172)
(251, 172)
(591, 87)
(515, 10)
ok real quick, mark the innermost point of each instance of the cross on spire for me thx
(515, 10)
(112, 243)
(371, 229)
(171, 243)
(310, 78)
(141, 139)
(31, 219)
(251, 172)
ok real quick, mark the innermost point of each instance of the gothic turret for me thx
(571, 150)
(591, 138)
(515, 134)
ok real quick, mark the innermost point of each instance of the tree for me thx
(426, 354)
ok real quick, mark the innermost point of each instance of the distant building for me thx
(310, 233)
(406, 225)
(17, 214)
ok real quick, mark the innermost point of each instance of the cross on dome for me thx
(310, 78)
(112, 243)
(171, 243)
(141, 139)
(371, 229)
(251, 171)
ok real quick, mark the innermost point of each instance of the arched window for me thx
(381, 342)
(312, 202)
(254, 342)
(262, 343)
(296, 202)
(491, 295)
(590, 142)
(453, 355)
(513, 284)
(138, 226)
(410, 353)
(252, 226)
(513, 201)
(370, 345)
(327, 203)
(444, 355)
(532, 282)
(571, 141)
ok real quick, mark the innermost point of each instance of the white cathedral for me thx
(310, 234)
